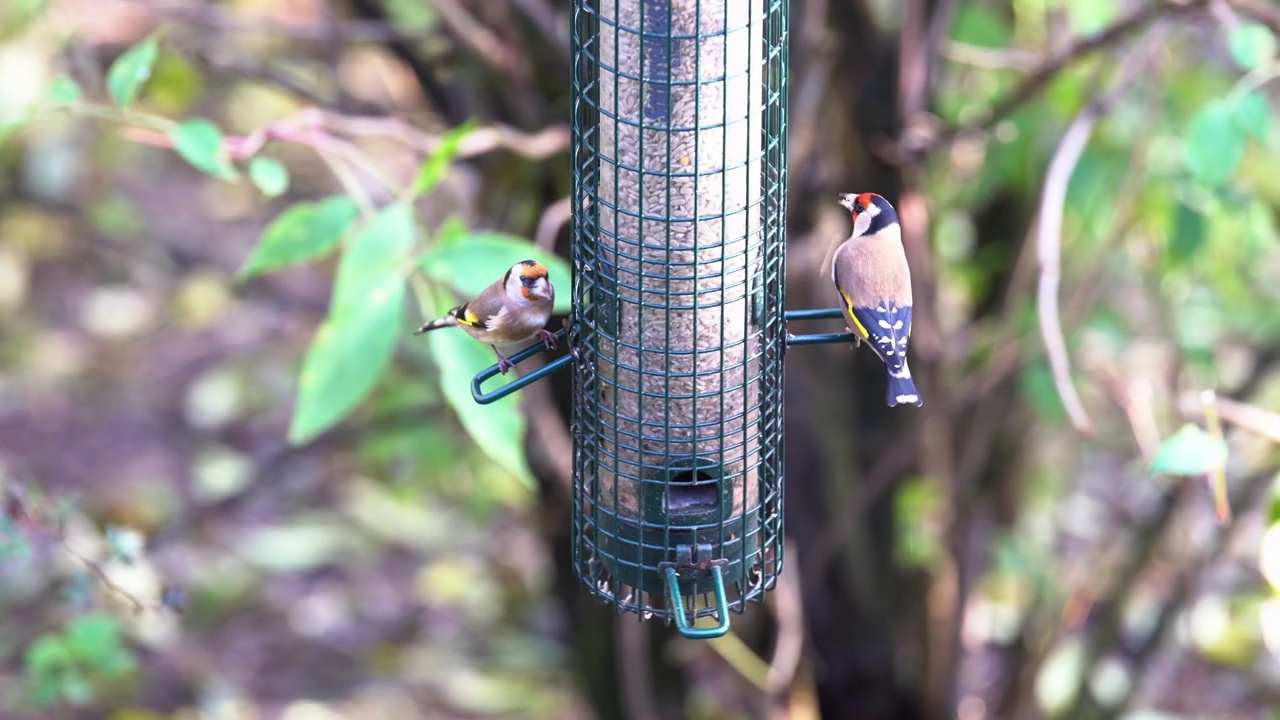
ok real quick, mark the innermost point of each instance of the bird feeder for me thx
(678, 330)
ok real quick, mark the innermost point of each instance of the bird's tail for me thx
(446, 321)
(902, 389)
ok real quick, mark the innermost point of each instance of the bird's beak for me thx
(846, 201)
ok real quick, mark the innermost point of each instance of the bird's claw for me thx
(504, 364)
(857, 339)
(548, 338)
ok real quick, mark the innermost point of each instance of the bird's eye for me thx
(859, 207)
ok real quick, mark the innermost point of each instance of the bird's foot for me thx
(503, 363)
(548, 338)
(857, 339)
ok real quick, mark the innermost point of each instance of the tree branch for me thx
(1047, 70)
(1049, 236)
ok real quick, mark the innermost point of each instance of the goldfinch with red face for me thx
(870, 272)
(512, 310)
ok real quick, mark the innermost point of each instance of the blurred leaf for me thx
(64, 91)
(354, 345)
(297, 545)
(1036, 384)
(10, 127)
(979, 25)
(47, 654)
(1090, 16)
(916, 508)
(1199, 326)
(1060, 675)
(175, 85)
(199, 142)
(470, 263)
(1252, 45)
(304, 231)
(1188, 233)
(12, 542)
(125, 544)
(1269, 548)
(270, 175)
(131, 70)
(1190, 451)
(1273, 506)
(94, 641)
(497, 428)
(1213, 144)
(434, 168)
(1253, 115)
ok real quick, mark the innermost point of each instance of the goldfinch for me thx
(512, 310)
(870, 272)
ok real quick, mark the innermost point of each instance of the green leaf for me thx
(93, 638)
(1188, 233)
(1214, 144)
(9, 127)
(131, 70)
(433, 169)
(64, 91)
(978, 25)
(199, 142)
(48, 654)
(304, 231)
(1253, 115)
(348, 355)
(354, 345)
(270, 175)
(470, 262)
(497, 428)
(1273, 505)
(1252, 45)
(1190, 451)
(376, 253)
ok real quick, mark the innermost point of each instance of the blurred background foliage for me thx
(236, 487)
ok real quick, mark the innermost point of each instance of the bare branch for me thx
(479, 38)
(1251, 418)
(213, 17)
(536, 146)
(788, 649)
(1263, 12)
(1048, 243)
(633, 667)
(989, 58)
(1049, 237)
(553, 218)
(1046, 71)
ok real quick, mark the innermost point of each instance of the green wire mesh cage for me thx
(678, 334)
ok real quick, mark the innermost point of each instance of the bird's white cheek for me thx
(861, 223)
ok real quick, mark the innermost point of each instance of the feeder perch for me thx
(678, 331)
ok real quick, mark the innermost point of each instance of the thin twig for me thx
(632, 664)
(536, 146)
(789, 647)
(553, 218)
(989, 58)
(1049, 237)
(1250, 492)
(1217, 477)
(548, 22)
(1046, 71)
(479, 38)
(96, 569)
(214, 17)
(1251, 418)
